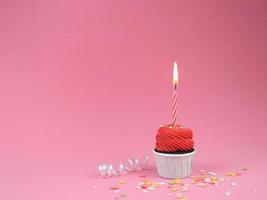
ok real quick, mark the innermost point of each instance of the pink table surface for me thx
(86, 82)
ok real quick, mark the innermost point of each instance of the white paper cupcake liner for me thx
(174, 165)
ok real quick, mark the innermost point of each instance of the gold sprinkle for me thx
(174, 189)
(122, 182)
(114, 188)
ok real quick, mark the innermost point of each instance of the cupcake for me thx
(174, 151)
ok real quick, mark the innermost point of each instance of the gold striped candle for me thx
(174, 99)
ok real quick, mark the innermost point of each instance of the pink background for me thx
(85, 82)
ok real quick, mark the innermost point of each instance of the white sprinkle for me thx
(221, 179)
(186, 185)
(169, 194)
(162, 183)
(151, 188)
(228, 193)
(212, 173)
(138, 187)
(233, 184)
(201, 184)
(207, 180)
(94, 186)
(140, 183)
(185, 189)
(254, 190)
(144, 190)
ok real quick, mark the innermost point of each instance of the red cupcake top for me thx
(172, 139)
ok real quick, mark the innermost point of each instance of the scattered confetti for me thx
(179, 186)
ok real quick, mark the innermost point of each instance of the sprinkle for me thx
(174, 189)
(221, 179)
(162, 183)
(144, 190)
(114, 188)
(207, 180)
(233, 184)
(228, 193)
(202, 184)
(254, 190)
(231, 174)
(214, 178)
(151, 188)
(212, 173)
(182, 198)
(138, 187)
(244, 169)
(94, 186)
(123, 195)
(140, 183)
(122, 182)
(143, 186)
(169, 194)
(176, 181)
(185, 189)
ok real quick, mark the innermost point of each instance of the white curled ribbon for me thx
(131, 165)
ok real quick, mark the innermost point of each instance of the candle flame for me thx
(175, 75)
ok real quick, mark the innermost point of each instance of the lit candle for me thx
(174, 100)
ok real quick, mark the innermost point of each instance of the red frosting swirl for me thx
(171, 139)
